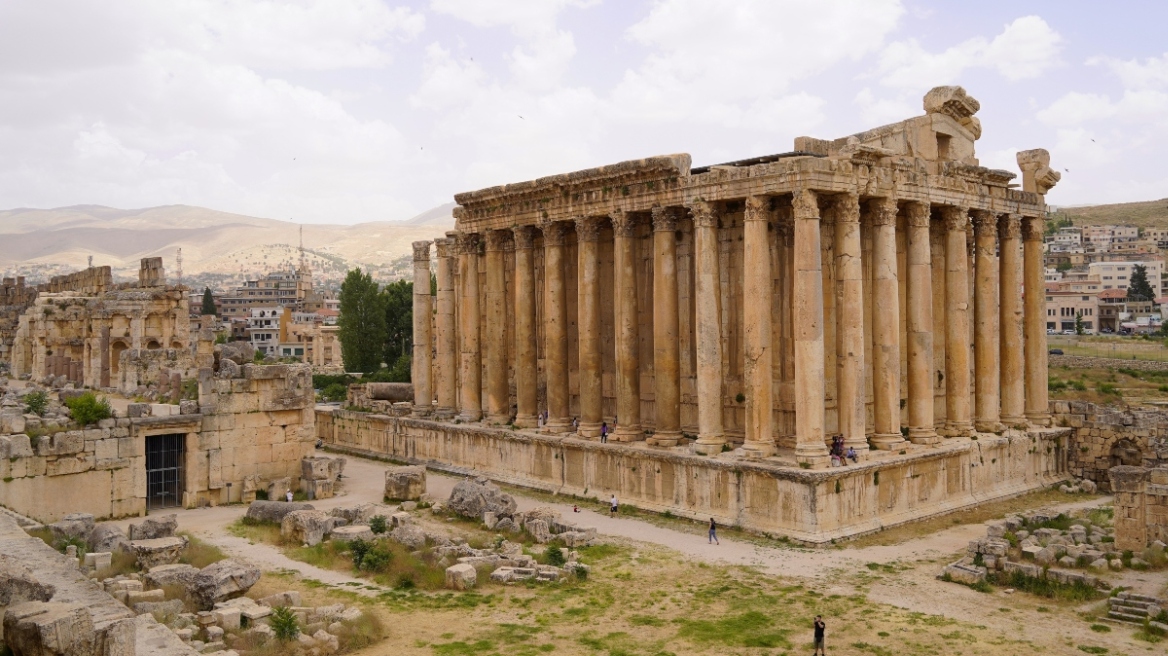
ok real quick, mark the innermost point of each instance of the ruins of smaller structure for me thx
(1141, 506)
(86, 330)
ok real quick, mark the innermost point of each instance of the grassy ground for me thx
(1108, 385)
(1145, 214)
(1105, 346)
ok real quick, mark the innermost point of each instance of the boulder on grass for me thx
(309, 527)
(409, 535)
(354, 514)
(152, 529)
(274, 511)
(405, 483)
(226, 579)
(160, 551)
(108, 537)
(473, 498)
(176, 574)
(76, 526)
(353, 532)
(462, 576)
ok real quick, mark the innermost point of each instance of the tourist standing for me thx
(603, 432)
(714, 532)
(819, 629)
(612, 506)
(289, 496)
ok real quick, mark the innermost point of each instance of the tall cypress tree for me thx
(208, 302)
(362, 323)
(1139, 289)
(399, 320)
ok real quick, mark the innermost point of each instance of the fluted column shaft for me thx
(526, 361)
(1037, 410)
(446, 374)
(919, 304)
(808, 328)
(555, 327)
(628, 370)
(957, 416)
(498, 398)
(987, 408)
(471, 377)
(421, 365)
(588, 245)
(885, 327)
(1013, 389)
(709, 330)
(666, 368)
(757, 290)
(849, 278)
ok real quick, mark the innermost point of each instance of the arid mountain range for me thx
(212, 242)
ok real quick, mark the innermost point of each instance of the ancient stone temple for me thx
(873, 287)
(882, 290)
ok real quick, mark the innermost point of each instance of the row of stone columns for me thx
(1001, 327)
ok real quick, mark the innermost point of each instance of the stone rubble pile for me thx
(1077, 486)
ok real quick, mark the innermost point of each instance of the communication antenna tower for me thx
(90, 264)
(301, 245)
(178, 261)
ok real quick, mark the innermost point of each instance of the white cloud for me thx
(1151, 73)
(1025, 49)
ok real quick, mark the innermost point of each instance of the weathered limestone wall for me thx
(1087, 362)
(1108, 436)
(1141, 506)
(807, 505)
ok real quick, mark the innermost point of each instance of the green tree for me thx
(399, 321)
(1078, 323)
(1065, 265)
(208, 302)
(362, 323)
(1139, 289)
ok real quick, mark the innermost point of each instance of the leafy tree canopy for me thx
(362, 330)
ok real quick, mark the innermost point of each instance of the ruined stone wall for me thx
(1087, 362)
(140, 367)
(1107, 436)
(807, 505)
(1141, 506)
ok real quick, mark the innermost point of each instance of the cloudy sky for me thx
(343, 111)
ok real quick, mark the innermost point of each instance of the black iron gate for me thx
(164, 471)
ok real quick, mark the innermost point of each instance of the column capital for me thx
(468, 243)
(984, 223)
(1033, 228)
(756, 208)
(524, 237)
(846, 208)
(444, 247)
(918, 214)
(956, 218)
(554, 233)
(1010, 226)
(497, 239)
(664, 219)
(884, 211)
(588, 228)
(623, 223)
(805, 203)
(703, 214)
(421, 251)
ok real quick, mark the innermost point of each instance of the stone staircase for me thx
(1133, 608)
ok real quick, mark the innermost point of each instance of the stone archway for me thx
(153, 345)
(116, 349)
(1126, 452)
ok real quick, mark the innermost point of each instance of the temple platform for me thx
(773, 496)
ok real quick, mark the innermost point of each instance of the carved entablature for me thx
(1010, 226)
(421, 251)
(588, 228)
(1037, 176)
(955, 218)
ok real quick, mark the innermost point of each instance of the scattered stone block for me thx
(160, 551)
(223, 580)
(461, 577)
(358, 514)
(289, 598)
(405, 483)
(74, 526)
(152, 529)
(473, 498)
(355, 532)
(274, 511)
(309, 527)
(538, 529)
(108, 537)
(174, 574)
(409, 535)
(98, 561)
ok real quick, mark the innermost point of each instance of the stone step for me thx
(1145, 599)
(1124, 617)
(1130, 607)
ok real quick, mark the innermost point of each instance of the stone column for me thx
(1037, 409)
(526, 366)
(666, 368)
(987, 415)
(885, 327)
(104, 380)
(920, 326)
(555, 327)
(498, 398)
(849, 279)
(588, 253)
(709, 330)
(757, 290)
(808, 328)
(471, 396)
(446, 373)
(423, 341)
(1010, 306)
(957, 421)
(628, 370)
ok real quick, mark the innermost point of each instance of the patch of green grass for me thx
(1093, 650)
(1048, 588)
(200, 554)
(1100, 628)
(750, 629)
(872, 649)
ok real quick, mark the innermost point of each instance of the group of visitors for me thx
(840, 456)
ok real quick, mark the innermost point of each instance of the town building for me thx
(1116, 274)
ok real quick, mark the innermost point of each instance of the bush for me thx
(334, 392)
(377, 559)
(555, 556)
(284, 624)
(378, 524)
(89, 408)
(37, 403)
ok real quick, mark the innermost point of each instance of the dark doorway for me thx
(164, 471)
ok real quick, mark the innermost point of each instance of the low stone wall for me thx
(1088, 362)
(811, 506)
(1141, 506)
(1106, 436)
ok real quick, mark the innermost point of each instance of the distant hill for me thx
(1145, 214)
(211, 241)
